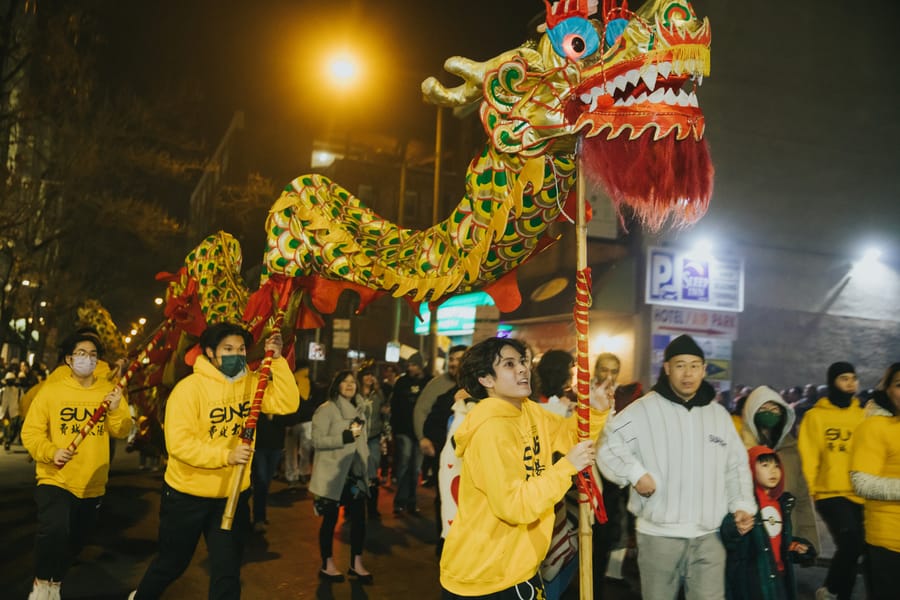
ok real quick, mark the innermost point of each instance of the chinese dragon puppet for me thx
(603, 92)
(615, 97)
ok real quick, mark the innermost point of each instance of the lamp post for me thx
(435, 202)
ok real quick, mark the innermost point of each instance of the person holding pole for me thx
(509, 482)
(204, 421)
(70, 482)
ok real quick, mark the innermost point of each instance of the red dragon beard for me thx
(659, 179)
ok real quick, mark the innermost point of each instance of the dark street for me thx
(280, 564)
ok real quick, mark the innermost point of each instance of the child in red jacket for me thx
(759, 562)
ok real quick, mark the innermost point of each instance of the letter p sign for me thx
(661, 276)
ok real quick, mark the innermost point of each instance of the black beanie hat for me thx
(683, 344)
(839, 368)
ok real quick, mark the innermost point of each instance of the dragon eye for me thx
(574, 45)
(574, 38)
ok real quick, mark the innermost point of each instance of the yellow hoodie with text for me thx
(60, 407)
(508, 488)
(825, 441)
(205, 414)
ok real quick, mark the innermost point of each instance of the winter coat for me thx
(338, 454)
(750, 572)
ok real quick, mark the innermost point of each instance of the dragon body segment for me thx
(317, 227)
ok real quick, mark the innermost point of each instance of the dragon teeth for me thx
(648, 74)
(633, 76)
(649, 77)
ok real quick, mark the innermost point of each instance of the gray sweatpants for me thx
(667, 563)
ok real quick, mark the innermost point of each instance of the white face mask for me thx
(83, 366)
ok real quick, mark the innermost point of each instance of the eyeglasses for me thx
(83, 354)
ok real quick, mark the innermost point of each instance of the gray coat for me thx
(333, 457)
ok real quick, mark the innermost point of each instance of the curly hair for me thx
(84, 334)
(478, 361)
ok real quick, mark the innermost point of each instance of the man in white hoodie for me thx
(687, 467)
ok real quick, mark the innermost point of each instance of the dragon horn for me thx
(473, 73)
(470, 71)
(565, 9)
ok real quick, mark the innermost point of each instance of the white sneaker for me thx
(40, 590)
(55, 590)
(823, 594)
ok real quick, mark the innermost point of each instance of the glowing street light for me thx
(344, 69)
(871, 255)
(158, 301)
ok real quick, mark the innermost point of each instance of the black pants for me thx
(64, 522)
(882, 573)
(844, 520)
(355, 507)
(606, 536)
(533, 589)
(182, 520)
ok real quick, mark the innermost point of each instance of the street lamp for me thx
(343, 69)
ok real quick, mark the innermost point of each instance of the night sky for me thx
(800, 105)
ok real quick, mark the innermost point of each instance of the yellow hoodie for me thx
(507, 492)
(825, 441)
(60, 408)
(204, 417)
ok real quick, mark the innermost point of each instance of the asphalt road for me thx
(280, 564)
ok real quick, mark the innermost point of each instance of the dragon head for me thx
(620, 91)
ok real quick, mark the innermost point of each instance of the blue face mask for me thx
(232, 364)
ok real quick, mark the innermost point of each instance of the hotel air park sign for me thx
(698, 294)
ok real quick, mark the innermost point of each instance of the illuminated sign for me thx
(456, 316)
(694, 280)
